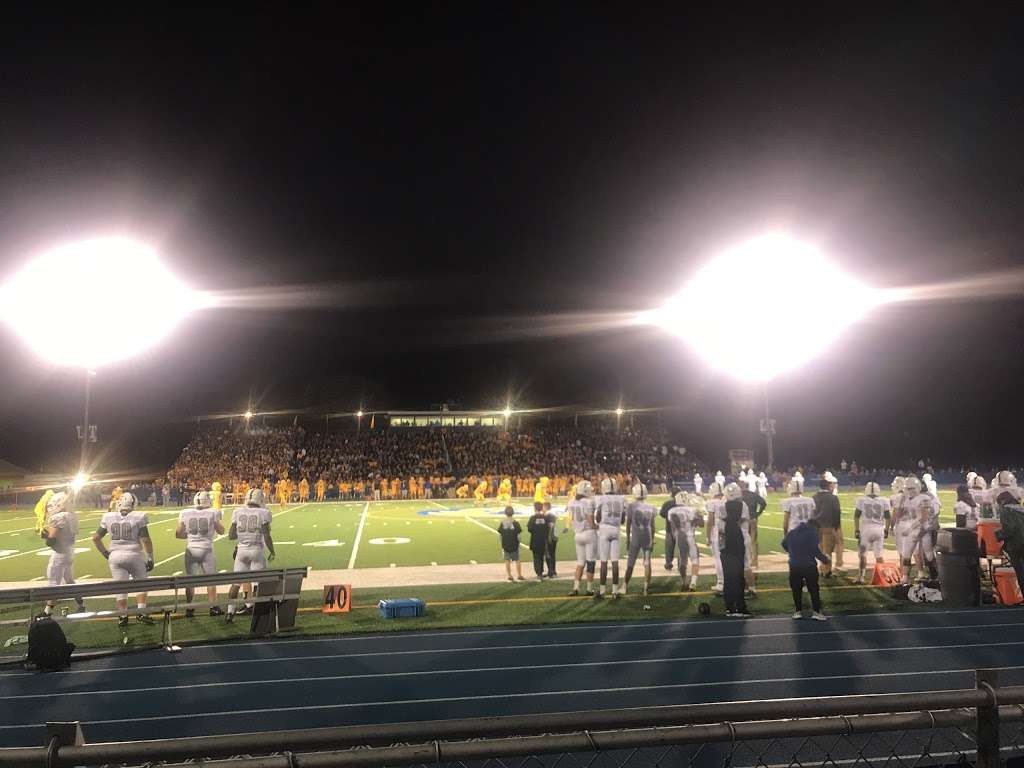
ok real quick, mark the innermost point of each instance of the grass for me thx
(442, 532)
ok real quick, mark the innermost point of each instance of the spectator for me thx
(802, 544)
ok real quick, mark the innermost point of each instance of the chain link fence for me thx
(981, 727)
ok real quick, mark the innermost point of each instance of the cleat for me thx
(216, 611)
(798, 615)
(142, 618)
(574, 593)
(598, 596)
(243, 611)
(190, 613)
(122, 621)
(858, 580)
(819, 616)
(616, 596)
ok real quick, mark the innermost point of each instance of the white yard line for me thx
(359, 536)
(492, 530)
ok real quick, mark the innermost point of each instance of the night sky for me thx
(452, 177)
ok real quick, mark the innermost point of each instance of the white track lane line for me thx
(492, 530)
(491, 697)
(522, 646)
(479, 670)
(359, 536)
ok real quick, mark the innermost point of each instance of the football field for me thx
(339, 535)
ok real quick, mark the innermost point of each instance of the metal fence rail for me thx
(980, 726)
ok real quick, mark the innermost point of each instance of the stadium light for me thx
(248, 415)
(359, 414)
(79, 481)
(713, 313)
(61, 307)
(507, 412)
(618, 411)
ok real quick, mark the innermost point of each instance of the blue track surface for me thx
(258, 685)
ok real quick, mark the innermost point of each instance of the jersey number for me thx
(198, 527)
(248, 524)
(121, 532)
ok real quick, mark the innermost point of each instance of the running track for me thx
(293, 683)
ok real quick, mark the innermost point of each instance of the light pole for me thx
(109, 331)
(709, 313)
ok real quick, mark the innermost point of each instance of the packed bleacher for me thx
(410, 463)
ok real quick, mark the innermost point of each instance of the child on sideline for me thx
(802, 544)
(510, 530)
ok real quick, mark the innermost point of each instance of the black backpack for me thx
(48, 649)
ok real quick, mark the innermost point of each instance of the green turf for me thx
(323, 535)
(476, 605)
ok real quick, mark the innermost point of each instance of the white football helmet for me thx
(254, 498)
(970, 478)
(911, 486)
(926, 477)
(793, 487)
(977, 483)
(202, 500)
(898, 483)
(733, 492)
(872, 489)
(829, 477)
(1005, 479)
(126, 503)
(606, 486)
(640, 491)
(585, 489)
(682, 499)
(57, 503)
(715, 489)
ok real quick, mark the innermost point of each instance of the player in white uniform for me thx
(609, 512)
(796, 508)
(131, 552)
(720, 479)
(713, 507)
(871, 522)
(60, 531)
(250, 527)
(930, 485)
(976, 486)
(640, 528)
(581, 512)
(919, 519)
(198, 525)
(1003, 492)
(698, 483)
(762, 485)
(685, 518)
(751, 482)
(966, 509)
(798, 476)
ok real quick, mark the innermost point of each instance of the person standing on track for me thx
(733, 540)
(540, 533)
(640, 529)
(610, 511)
(198, 525)
(801, 542)
(129, 539)
(250, 527)
(581, 512)
(828, 514)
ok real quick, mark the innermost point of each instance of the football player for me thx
(216, 494)
(798, 476)
(720, 479)
(715, 508)
(732, 540)
(1004, 491)
(198, 525)
(965, 509)
(930, 485)
(131, 552)
(698, 483)
(976, 486)
(871, 520)
(640, 529)
(581, 512)
(505, 491)
(303, 491)
(610, 511)
(250, 527)
(60, 531)
(796, 508)
(41, 510)
(762, 485)
(685, 518)
(540, 490)
(321, 490)
(920, 521)
(481, 491)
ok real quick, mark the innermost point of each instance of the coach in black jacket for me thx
(829, 516)
(540, 531)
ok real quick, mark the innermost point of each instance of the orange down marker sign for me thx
(337, 599)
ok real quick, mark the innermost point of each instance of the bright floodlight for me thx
(359, 414)
(96, 301)
(248, 414)
(764, 307)
(618, 411)
(507, 412)
(79, 481)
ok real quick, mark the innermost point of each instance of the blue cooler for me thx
(401, 608)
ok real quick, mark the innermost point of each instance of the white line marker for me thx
(87, 576)
(177, 573)
(393, 565)
(472, 562)
(359, 536)
(432, 562)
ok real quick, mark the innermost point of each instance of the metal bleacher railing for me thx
(971, 727)
(277, 587)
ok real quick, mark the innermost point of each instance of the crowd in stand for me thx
(427, 462)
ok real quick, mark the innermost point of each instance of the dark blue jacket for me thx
(802, 543)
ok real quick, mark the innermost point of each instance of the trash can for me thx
(960, 579)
